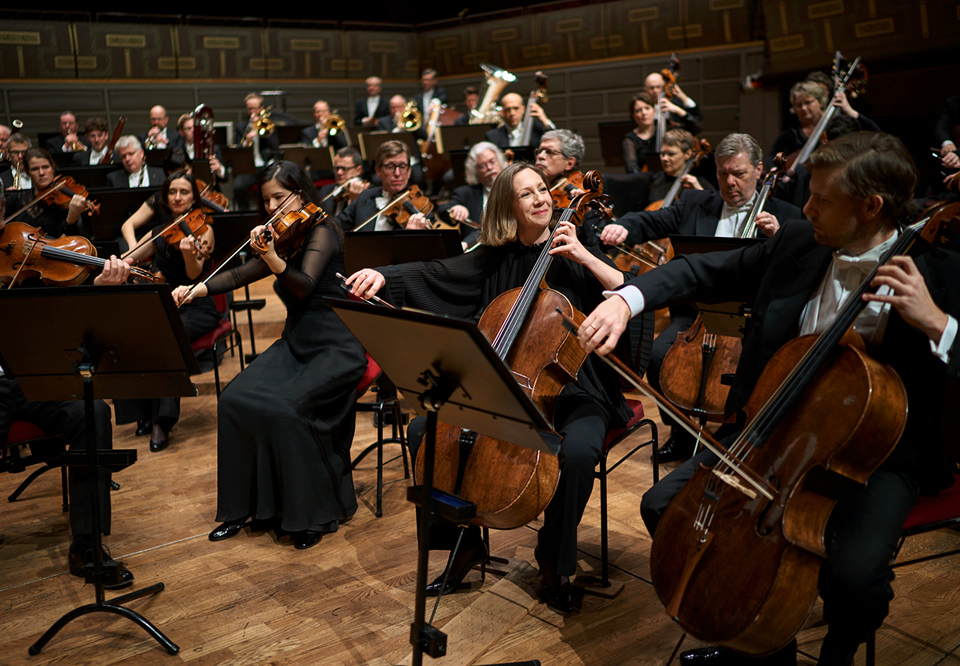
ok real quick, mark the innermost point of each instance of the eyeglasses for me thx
(396, 168)
(549, 151)
(486, 166)
(345, 168)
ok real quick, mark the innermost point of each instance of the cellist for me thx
(517, 222)
(861, 187)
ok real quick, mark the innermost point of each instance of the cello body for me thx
(741, 571)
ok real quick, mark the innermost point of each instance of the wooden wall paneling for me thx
(124, 51)
(221, 53)
(36, 50)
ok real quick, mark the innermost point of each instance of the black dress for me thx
(286, 422)
(48, 217)
(464, 286)
(636, 150)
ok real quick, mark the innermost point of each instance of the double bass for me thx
(512, 484)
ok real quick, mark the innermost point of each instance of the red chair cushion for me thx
(929, 510)
(24, 431)
(369, 375)
(206, 342)
(637, 407)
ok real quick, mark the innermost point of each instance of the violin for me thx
(62, 262)
(63, 189)
(290, 231)
(402, 207)
(512, 484)
(211, 200)
(193, 224)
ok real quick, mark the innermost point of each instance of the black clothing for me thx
(121, 179)
(360, 110)
(55, 144)
(438, 93)
(793, 139)
(362, 209)
(464, 286)
(48, 217)
(660, 184)
(636, 150)
(269, 145)
(471, 198)
(501, 138)
(386, 124)
(83, 158)
(286, 423)
(949, 120)
(309, 133)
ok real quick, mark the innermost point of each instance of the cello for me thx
(512, 484)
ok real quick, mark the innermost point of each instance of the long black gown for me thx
(464, 286)
(286, 422)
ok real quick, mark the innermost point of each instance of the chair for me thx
(23, 432)
(220, 336)
(378, 408)
(927, 515)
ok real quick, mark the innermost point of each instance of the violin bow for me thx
(373, 299)
(756, 485)
(152, 237)
(335, 192)
(397, 199)
(54, 186)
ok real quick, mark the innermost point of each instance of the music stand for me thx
(370, 142)
(92, 349)
(369, 249)
(116, 205)
(463, 137)
(448, 365)
(310, 159)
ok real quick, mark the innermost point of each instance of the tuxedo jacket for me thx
(695, 213)
(779, 277)
(55, 144)
(386, 124)
(471, 198)
(121, 179)
(310, 133)
(83, 158)
(499, 137)
(361, 210)
(269, 145)
(360, 109)
(172, 137)
(438, 93)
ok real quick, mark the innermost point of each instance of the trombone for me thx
(262, 123)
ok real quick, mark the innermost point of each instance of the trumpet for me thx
(409, 118)
(497, 80)
(335, 124)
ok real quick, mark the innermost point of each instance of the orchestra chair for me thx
(224, 336)
(23, 432)
(928, 514)
(378, 408)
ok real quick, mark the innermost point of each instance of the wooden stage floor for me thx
(350, 599)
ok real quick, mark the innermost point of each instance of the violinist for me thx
(136, 172)
(512, 110)
(177, 256)
(54, 219)
(686, 115)
(696, 213)
(516, 224)
(483, 164)
(861, 188)
(393, 169)
(285, 424)
(347, 170)
(639, 144)
(68, 141)
(97, 133)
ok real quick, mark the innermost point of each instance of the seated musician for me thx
(98, 135)
(67, 417)
(53, 219)
(861, 187)
(16, 177)
(158, 136)
(512, 110)
(559, 155)
(947, 124)
(68, 141)
(136, 172)
(640, 142)
(317, 135)
(483, 164)
(347, 168)
(471, 100)
(676, 151)
(181, 263)
(719, 214)
(516, 224)
(4, 136)
(685, 114)
(393, 169)
(185, 126)
(266, 148)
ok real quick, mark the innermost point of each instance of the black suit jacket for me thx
(361, 210)
(121, 179)
(83, 159)
(779, 277)
(310, 133)
(470, 197)
(499, 137)
(695, 213)
(360, 109)
(269, 145)
(172, 136)
(438, 93)
(386, 124)
(55, 145)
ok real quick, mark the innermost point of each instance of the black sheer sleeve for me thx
(630, 157)
(248, 272)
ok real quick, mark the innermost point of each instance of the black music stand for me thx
(369, 249)
(311, 160)
(463, 137)
(448, 365)
(370, 142)
(92, 349)
(116, 205)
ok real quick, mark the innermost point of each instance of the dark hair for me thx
(165, 189)
(391, 149)
(37, 151)
(841, 124)
(642, 96)
(471, 90)
(176, 160)
(95, 123)
(871, 163)
(294, 179)
(353, 154)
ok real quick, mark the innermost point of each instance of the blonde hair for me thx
(499, 225)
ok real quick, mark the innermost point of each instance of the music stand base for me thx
(113, 606)
(594, 586)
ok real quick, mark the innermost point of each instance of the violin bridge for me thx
(734, 482)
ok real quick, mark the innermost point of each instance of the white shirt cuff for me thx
(632, 296)
(689, 103)
(942, 350)
(946, 142)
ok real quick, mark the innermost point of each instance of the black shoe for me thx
(677, 447)
(159, 439)
(721, 656)
(306, 539)
(143, 428)
(226, 530)
(556, 591)
(455, 579)
(115, 575)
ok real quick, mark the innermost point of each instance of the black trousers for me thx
(861, 535)
(66, 417)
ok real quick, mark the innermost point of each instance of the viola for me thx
(402, 207)
(512, 484)
(63, 189)
(26, 252)
(211, 200)
(290, 231)
(192, 224)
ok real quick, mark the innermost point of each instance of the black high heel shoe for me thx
(556, 591)
(454, 581)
